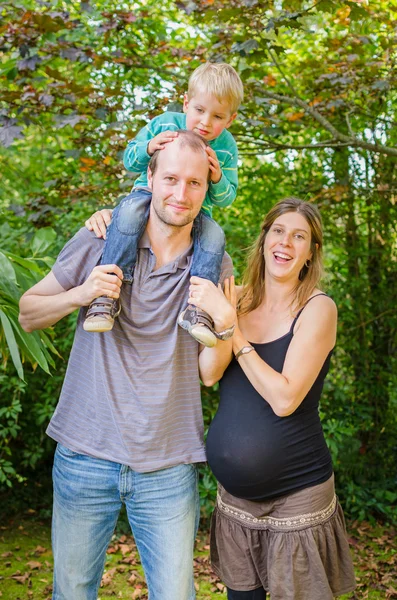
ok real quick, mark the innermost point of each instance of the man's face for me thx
(179, 184)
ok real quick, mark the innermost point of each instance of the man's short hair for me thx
(219, 80)
(186, 139)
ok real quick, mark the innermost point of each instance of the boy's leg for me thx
(129, 221)
(86, 506)
(209, 248)
(163, 513)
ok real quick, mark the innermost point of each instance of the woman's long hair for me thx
(254, 276)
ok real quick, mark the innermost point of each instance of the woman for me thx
(277, 526)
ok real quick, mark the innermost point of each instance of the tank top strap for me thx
(303, 307)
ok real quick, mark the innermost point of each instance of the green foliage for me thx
(18, 274)
(10, 411)
(318, 122)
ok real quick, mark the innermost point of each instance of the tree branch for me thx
(349, 140)
(267, 144)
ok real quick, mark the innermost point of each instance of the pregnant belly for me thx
(244, 456)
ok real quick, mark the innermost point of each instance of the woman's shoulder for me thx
(321, 298)
(319, 306)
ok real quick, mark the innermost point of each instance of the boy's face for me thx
(207, 116)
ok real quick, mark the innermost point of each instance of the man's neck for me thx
(168, 242)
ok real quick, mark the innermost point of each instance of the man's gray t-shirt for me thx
(132, 395)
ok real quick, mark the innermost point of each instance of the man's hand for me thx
(216, 172)
(99, 222)
(160, 140)
(104, 280)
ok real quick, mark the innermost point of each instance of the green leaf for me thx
(43, 240)
(6, 268)
(49, 344)
(30, 342)
(28, 263)
(12, 344)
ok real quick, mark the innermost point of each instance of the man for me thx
(133, 437)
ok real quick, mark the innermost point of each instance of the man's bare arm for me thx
(214, 361)
(48, 302)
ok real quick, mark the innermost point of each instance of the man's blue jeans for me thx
(128, 224)
(163, 511)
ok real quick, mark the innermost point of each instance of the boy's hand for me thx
(99, 222)
(216, 172)
(159, 141)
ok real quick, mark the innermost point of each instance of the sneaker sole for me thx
(97, 327)
(204, 336)
(200, 333)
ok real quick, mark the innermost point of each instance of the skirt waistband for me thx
(247, 513)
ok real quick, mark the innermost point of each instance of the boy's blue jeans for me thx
(163, 511)
(128, 224)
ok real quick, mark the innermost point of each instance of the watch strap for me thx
(243, 350)
(226, 334)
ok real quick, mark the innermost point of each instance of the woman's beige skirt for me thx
(294, 546)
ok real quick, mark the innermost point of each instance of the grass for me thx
(26, 565)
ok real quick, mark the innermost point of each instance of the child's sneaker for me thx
(199, 324)
(101, 314)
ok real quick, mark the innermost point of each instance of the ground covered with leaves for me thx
(26, 564)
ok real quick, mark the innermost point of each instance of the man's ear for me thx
(149, 177)
(230, 121)
(185, 102)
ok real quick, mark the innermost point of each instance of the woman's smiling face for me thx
(287, 246)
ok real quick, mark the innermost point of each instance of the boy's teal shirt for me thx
(221, 194)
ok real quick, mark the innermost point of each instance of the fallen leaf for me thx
(34, 564)
(125, 549)
(39, 550)
(21, 578)
(107, 577)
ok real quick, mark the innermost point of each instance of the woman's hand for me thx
(99, 222)
(220, 305)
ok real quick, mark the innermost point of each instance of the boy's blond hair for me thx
(220, 80)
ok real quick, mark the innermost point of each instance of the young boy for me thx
(210, 106)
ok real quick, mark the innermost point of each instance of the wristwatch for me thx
(226, 334)
(244, 350)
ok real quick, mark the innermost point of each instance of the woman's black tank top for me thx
(254, 453)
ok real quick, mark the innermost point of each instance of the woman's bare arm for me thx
(314, 337)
